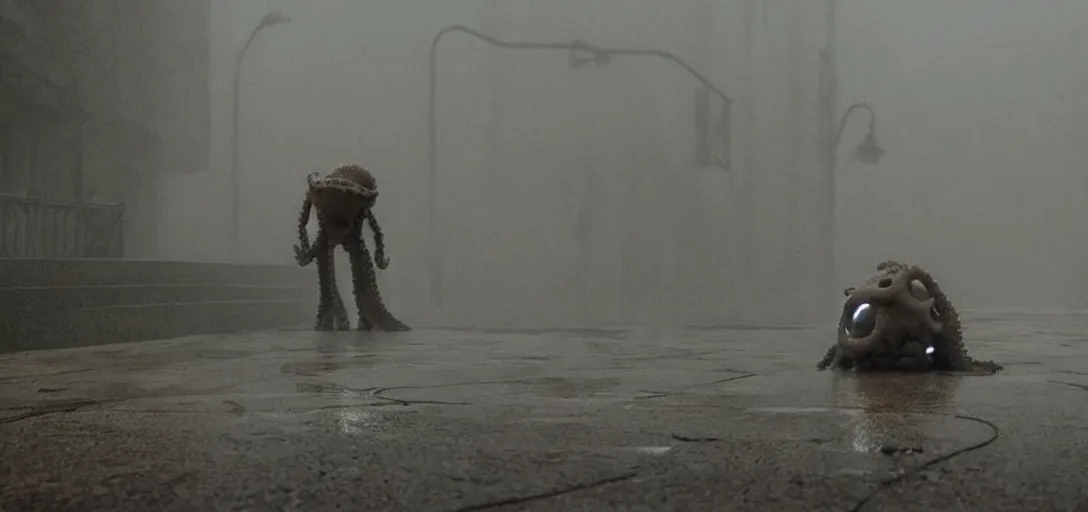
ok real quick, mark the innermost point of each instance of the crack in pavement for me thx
(259, 411)
(455, 384)
(377, 392)
(1081, 387)
(994, 433)
(43, 375)
(57, 408)
(660, 394)
(687, 439)
(545, 495)
(77, 404)
(406, 403)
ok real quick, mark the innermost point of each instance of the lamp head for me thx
(869, 150)
(274, 17)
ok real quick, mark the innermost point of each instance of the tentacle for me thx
(339, 312)
(372, 311)
(829, 357)
(379, 240)
(331, 313)
(951, 352)
(326, 283)
(304, 258)
(304, 253)
(357, 238)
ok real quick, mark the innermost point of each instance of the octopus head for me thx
(892, 309)
(341, 197)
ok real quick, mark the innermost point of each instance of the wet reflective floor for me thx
(588, 419)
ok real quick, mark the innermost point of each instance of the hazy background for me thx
(983, 108)
(573, 197)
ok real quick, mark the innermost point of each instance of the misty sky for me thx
(982, 109)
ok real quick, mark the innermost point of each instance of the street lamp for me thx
(868, 151)
(576, 59)
(272, 17)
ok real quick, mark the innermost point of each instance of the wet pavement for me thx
(457, 420)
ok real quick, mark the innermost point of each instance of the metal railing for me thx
(41, 228)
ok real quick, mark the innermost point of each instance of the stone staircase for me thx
(60, 303)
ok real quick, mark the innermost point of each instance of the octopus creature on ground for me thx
(899, 319)
(344, 200)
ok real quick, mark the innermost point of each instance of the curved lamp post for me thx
(868, 151)
(577, 58)
(272, 17)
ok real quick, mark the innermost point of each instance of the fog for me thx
(573, 196)
(983, 110)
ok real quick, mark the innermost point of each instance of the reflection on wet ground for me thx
(599, 419)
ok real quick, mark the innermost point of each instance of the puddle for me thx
(355, 422)
(870, 431)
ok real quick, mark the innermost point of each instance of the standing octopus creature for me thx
(344, 200)
(899, 319)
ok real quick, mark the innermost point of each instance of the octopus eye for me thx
(862, 321)
(918, 290)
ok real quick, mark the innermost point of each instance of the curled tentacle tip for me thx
(301, 256)
(383, 262)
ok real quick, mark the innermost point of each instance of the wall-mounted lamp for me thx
(578, 57)
(869, 150)
(273, 17)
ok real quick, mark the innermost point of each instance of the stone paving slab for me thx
(576, 419)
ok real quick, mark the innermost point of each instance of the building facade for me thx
(98, 98)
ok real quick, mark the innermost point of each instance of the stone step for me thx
(137, 322)
(89, 272)
(35, 300)
(55, 303)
